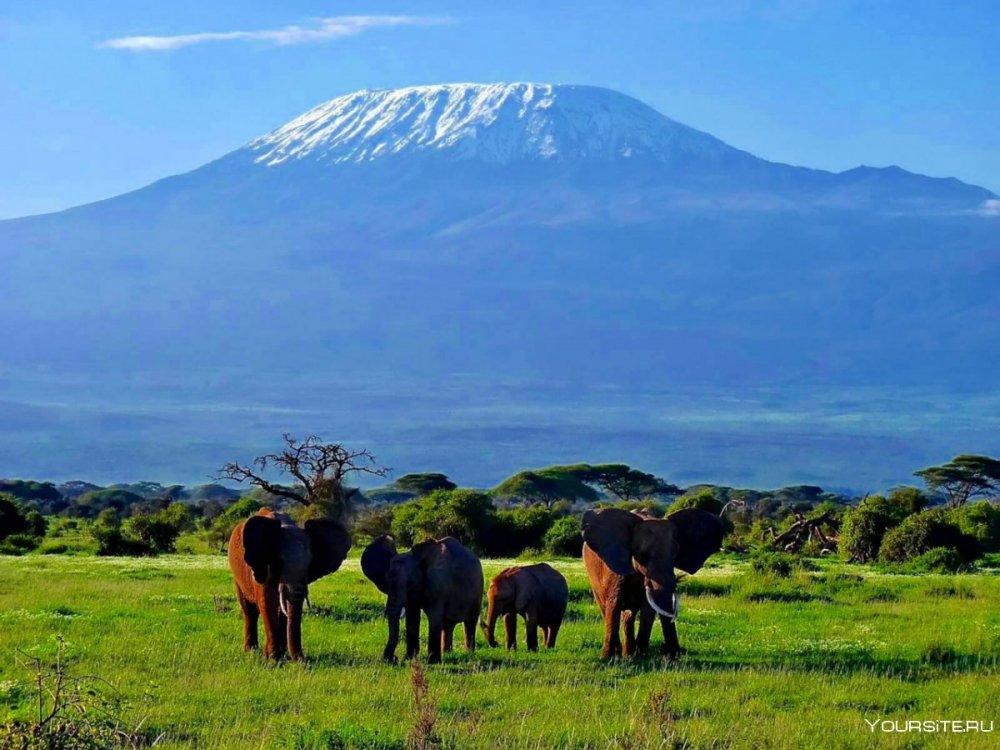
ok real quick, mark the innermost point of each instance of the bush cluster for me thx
(21, 530)
(141, 535)
(473, 518)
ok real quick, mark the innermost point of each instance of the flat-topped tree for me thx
(547, 486)
(963, 478)
(424, 483)
(319, 470)
(626, 483)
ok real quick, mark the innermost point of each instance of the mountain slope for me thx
(527, 229)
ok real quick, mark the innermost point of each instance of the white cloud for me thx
(320, 30)
(990, 207)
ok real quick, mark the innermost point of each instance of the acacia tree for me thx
(319, 470)
(627, 483)
(963, 478)
(424, 483)
(546, 486)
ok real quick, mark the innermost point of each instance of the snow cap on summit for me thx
(497, 123)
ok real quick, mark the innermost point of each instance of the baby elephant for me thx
(536, 592)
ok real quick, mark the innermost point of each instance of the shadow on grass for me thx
(353, 610)
(933, 664)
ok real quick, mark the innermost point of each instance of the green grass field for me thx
(799, 662)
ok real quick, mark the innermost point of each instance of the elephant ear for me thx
(699, 535)
(262, 546)
(329, 542)
(609, 533)
(375, 561)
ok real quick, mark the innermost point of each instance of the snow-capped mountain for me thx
(529, 230)
(496, 123)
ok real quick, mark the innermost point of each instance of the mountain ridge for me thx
(682, 167)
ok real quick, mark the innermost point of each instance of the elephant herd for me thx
(630, 559)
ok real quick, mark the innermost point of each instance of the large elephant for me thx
(536, 592)
(273, 562)
(439, 577)
(630, 560)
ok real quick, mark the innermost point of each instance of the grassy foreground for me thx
(770, 663)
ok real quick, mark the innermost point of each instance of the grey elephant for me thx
(273, 562)
(536, 592)
(440, 577)
(630, 560)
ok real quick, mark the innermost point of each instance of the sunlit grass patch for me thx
(770, 662)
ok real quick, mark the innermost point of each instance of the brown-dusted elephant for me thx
(536, 592)
(440, 577)
(273, 562)
(630, 560)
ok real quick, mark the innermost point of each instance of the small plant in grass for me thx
(422, 735)
(777, 564)
(938, 654)
(73, 712)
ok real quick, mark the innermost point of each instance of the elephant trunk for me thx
(293, 611)
(393, 611)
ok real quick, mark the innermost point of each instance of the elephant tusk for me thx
(281, 603)
(402, 612)
(657, 609)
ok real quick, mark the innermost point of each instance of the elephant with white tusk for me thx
(273, 562)
(630, 560)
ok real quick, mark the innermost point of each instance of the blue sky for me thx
(823, 84)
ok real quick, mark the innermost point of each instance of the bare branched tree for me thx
(319, 470)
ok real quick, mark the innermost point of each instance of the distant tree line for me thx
(940, 527)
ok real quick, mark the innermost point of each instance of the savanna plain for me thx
(782, 662)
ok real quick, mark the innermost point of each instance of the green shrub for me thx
(25, 542)
(13, 517)
(938, 560)
(517, 530)
(779, 564)
(981, 521)
(923, 532)
(53, 548)
(564, 538)
(373, 522)
(223, 525)
(140, 535)
(467, 515)
(865, 526)
(702, 500)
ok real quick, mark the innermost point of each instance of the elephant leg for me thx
(470, 632)
(531, 632)
(646, 620)
(510, 630)
(412, 632)
(250, 617)
(281, 639)
(612, 623)
(274, 629)
(550, 640)
(447, 637)
(671, 646)
(628, 631)
(435, 631)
